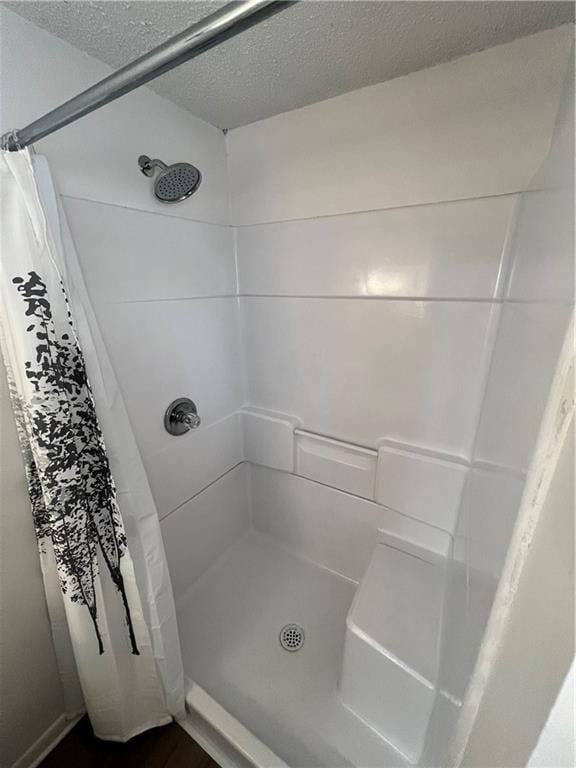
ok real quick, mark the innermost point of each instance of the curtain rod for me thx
(207, 33)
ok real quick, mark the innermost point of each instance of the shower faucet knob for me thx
(181, 416)
(191, 419)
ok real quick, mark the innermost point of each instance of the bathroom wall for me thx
(538, 304)
(556, 742)
(163, 288)
(373, 252)
(162, 280)
(535, 648)
(371, 244)
(397, 290)
(433, 135)
(31, 702)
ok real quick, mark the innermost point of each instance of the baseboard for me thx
(45, 743)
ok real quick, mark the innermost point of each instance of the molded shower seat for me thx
(391, 650)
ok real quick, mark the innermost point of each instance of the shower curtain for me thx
(107, 585)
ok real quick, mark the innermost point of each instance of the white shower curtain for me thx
(107, 585)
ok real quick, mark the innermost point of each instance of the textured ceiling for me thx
(307, 53)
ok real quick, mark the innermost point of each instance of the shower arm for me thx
(205, 34)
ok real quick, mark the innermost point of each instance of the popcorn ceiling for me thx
(307, 53)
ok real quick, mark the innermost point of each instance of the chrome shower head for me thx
(174, 182)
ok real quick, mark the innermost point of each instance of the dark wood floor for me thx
(167, 747)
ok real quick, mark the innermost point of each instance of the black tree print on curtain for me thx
(69, 480)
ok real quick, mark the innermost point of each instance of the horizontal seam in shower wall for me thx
(457, 299)
(324, 567)
(354, 496)
(296, 219)
(344, 297)
(174, 298)
(341, 297)
(499, 469)
(361, 211)
(309, 480)
(146, 210)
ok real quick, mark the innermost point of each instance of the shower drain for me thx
(291, 637)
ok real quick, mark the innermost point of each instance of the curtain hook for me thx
(10, 142)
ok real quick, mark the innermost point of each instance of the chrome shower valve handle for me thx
(192, 420)
(181, 416)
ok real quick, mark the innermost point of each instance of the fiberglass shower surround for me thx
(336, 524)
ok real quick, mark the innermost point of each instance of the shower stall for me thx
(335, 346)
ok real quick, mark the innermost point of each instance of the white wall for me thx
(538, 303)
(396, 286)
(531, 639)
(557, 742)
(96, 158)
(371, 251)
(163, 289)
(162, 281)
(473, 127)
(30, 694)
(373, 246)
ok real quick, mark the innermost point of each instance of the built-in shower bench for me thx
(390, 660)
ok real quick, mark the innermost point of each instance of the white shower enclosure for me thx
(397, 346)
(366, 299)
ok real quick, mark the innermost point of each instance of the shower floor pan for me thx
(266, 700)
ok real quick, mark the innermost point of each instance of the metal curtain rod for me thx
(207, 33)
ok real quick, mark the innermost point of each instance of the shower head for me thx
(174, 182)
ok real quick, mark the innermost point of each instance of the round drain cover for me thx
(291, 637)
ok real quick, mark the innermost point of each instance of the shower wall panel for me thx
(472, 127)
(362, 370)
(388, 292)
(203, 528)
(131, 255)
(164, 291)
(539, 301)
(444, 251)
(372, 245)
